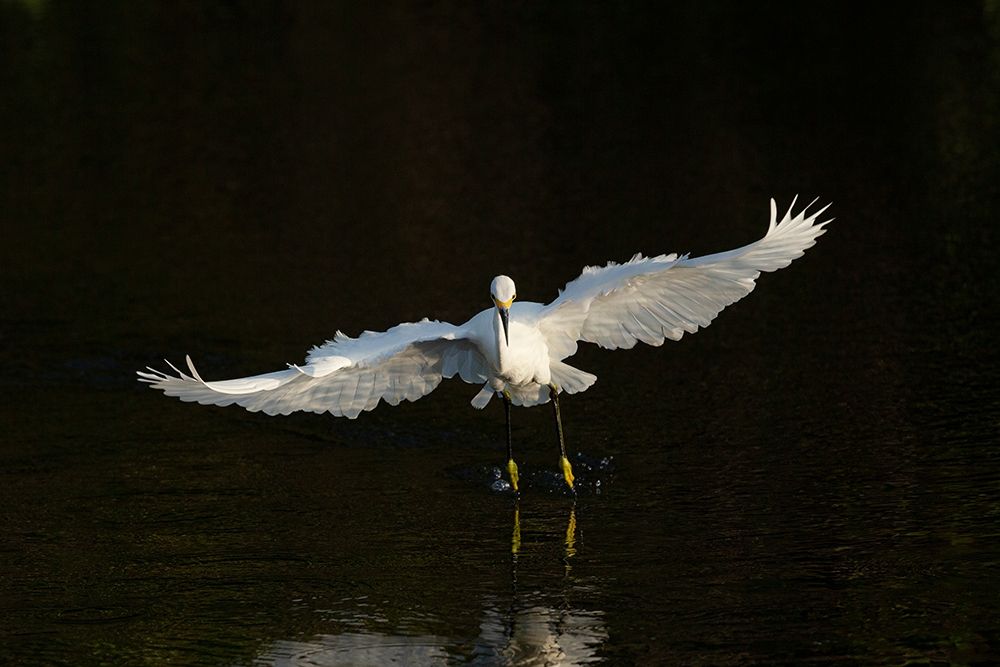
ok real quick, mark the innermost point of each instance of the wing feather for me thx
(650, 299)
(345, 376)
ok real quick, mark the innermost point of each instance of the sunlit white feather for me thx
(647, 299)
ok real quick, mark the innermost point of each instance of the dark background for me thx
(815, 477)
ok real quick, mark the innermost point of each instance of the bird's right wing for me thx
(344, 376)
(650, 299)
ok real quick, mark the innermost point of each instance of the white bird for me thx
(514, 350)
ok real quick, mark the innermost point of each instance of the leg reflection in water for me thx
(570, 541)
(571, 536)
(515, 545)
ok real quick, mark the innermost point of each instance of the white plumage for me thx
(515, 349)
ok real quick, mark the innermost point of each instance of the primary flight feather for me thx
(515, 350)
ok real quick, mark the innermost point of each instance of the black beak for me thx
(505, 320)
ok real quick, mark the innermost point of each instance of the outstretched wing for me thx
(650, 299)
(344, 376)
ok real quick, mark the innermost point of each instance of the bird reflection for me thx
(528, 633)
(542, 636)
(526, 627)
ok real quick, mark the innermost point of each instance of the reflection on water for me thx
(356, 649)
(528, 635)
(541, 635)
(525, 628)
(571, 536)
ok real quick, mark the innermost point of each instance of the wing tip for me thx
(801, 221)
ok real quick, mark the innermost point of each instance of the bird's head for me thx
(503, 292)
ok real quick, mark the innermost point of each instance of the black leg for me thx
(567, 469)
(511, 466)
(506, 412)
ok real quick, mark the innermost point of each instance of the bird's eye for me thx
(513, 297)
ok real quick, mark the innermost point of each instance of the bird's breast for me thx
(526, 358)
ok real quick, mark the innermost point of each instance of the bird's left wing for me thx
(650, 299)
(344, 376)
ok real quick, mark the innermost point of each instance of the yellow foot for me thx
(512, 469)
(567, 470)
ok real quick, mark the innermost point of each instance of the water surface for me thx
(814, 478)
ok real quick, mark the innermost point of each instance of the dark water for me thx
(813, 479)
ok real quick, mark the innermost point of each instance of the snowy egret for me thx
(514, 350)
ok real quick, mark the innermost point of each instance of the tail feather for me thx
(481, 399)
(569, 379)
